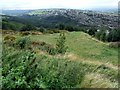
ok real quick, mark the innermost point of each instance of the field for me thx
(95, 60)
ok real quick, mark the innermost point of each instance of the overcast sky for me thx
(74, 4)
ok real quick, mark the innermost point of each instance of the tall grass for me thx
(21, 69)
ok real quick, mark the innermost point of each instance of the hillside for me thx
(88, 63)
(84, 47)
(73, 17)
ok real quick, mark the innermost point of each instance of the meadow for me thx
(87, 63)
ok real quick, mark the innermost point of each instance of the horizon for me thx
(68, 4)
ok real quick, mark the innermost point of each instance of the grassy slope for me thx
(84, 47)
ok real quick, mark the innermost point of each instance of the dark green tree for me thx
(28, 28)
(92, 31)
(61, 27)
(60, 46)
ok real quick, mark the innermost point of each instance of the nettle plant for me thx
(19, 69)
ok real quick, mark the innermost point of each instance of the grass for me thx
(84, 47)
(95, 58)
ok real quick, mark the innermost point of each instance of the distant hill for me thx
(14, 12)
(74, 17)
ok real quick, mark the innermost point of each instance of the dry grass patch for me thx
(72, 56)
(95, 80)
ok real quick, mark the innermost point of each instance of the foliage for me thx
(108, 35)
(28, 28)
(6, 25)
(113, 36)
(50, 49)
(61, 26)
(59, 73)
(101, 35)
(60, 45)
(25, 33)
(26, 69)
(92, 31)
(21, 69)
(23, 42)
(9, 38)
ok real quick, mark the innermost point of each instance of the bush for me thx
(28, 28)
(60, 46)
(114, 36)
(50, 49)
(35, 33)
(21, 69)
(23, 42)
(35, 43)
(9, 38)
(92, 31)
(25, 33)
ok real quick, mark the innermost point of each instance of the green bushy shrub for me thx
(23, 42)
(60, 45)
(19, 69)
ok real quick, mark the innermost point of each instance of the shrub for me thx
(50, 49)
(34, 43)
(36, 33)
(28, 28)
(25, 33)
(9, 38)
(92, 31)
(21, 69)
(23, 42)
(60, 46)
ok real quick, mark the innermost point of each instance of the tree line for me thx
(101, 33)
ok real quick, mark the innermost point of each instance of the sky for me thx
(43, 4)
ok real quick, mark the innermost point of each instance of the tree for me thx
(61, 27)
(103, 36)
(114, 35)
(69, 28)
(60, 46)
(92, 31)
(28, 28)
